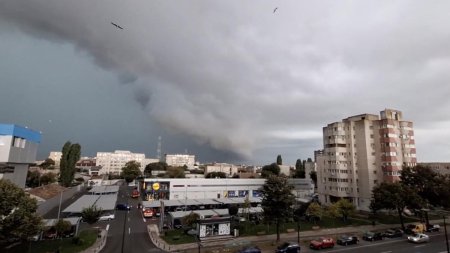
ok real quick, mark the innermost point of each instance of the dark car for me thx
(393, 232)
(372, 236)
(288, 247)
(123, 207)
(347, 240)
(250, 250)
(433, 228)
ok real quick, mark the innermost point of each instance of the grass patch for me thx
(87, 238)
(249, 229)
(391, 219)
(177, 236)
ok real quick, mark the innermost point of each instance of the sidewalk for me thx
(270, 240)
(99, 243)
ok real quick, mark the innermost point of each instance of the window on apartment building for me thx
(357, 189)
(373, 153)
(374, 172)
(371, 136)
(375, 181)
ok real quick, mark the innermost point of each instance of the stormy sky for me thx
(228, 81)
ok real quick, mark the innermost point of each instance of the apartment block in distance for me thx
(18, 148)
(179, 160)
(362, 151)
(112, 163)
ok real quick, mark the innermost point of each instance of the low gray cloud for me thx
(240, 78)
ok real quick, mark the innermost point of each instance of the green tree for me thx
(190, 219)
(427, 183)
(268, 170)
(313, 176)
(18, 218)
(316, 211)
(344, 209)
(131, 171)
(216, 174)
(70, 156)
(299, 169)
(159, 166)
(48, 178)
(175, 172)
(91, 214)
(33, 179)
(48, 164)
(62, 226)
(394, 196)
(279, 160)
(277, 200)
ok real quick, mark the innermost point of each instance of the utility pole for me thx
(446, 236)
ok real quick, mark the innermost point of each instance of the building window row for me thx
(392, 173)
(338, 180)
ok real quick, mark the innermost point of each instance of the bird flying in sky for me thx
(274, 10)
(116, 25)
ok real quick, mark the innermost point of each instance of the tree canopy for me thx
(279, 160)
(18, 213)
(175, 172)
(277, 200)
(159, 166)
(344, 208)
(91, 214)
(299, 169)
(48, 164)
(268, 170)
(428, 184)
(394, 196)
(131, 171)
(70, 156)
(216, 174)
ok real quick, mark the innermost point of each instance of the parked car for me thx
(347, 240)
(321, 243)
(419, 238)
(123, 207)
(393, 232)
(50, 234)
(372, 236)
(288, 247)
(433, 228)
(107, 217)
(250, 250)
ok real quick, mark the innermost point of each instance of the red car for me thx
(321, 243)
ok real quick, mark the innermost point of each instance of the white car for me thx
(107, 217)
(419, 238)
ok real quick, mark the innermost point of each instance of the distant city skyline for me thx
(226, 81)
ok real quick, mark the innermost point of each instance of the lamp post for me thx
(60, 201)
(446, 236)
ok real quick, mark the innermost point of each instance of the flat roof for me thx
(251, 210)
(51, 222)
(20, 131)
(105, 202)
(104, 189)
(204, 213)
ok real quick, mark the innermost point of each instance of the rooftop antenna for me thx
(158, 149)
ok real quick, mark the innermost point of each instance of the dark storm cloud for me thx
(238, 77)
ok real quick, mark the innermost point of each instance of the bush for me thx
(77, 240)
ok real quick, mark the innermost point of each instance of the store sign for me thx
(155, 186)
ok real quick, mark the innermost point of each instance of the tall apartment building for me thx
(179, 160)
(18, 148)
(112, 163)
(56, 157)
(361, 152)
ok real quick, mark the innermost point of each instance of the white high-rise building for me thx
(362, 151)
(112, 163)
(179, 160)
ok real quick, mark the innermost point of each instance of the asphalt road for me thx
(394, 245)
(128, 232)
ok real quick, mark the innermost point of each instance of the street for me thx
(128, 231)
(397, 245)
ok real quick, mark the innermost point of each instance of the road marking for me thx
(418, 246)
(386, 252)
(129, 230)
(107, 227)
(128, 218)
